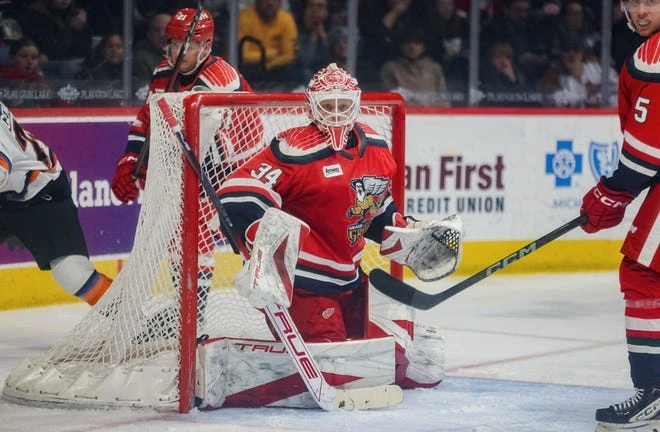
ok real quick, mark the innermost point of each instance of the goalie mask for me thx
(333, 103)
(201, 39)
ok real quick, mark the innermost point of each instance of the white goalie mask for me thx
(333, 102)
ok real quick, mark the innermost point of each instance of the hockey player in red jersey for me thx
(605, 204)
(199, 71)
(36, 207)
(334, 175)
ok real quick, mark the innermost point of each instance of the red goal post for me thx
(137, 346)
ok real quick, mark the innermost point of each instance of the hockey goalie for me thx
(304, 206)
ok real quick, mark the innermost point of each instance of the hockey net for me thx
(137, 346)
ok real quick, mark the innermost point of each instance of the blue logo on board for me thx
(563, 163)
(603, 158)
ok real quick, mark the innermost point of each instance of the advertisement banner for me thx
(509, 177)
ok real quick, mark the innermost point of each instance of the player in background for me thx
(605, 204)
(36, 206)
(334, 178)
(199, 71)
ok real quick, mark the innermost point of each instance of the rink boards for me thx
(512, 176)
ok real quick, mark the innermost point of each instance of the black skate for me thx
(640, 412)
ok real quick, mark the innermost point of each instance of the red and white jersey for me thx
(215, 74)
(341, 195)
(639, 113)
(26, 163)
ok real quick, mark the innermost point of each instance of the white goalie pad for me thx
(255, 373)
(431, 249)
(267, 277)
(423, 345)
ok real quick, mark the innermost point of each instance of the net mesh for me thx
(126, 350)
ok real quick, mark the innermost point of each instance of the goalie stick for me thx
(327, 397)
(170, 84)
(411, 296)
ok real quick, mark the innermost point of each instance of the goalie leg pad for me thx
(419, 348)
(427, 359)
(252, 373)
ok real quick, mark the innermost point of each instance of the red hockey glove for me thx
(124, 186)
(604, 207)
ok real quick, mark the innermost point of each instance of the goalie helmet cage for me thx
(136, 347)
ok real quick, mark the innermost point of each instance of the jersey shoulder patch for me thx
(644, 64)
(163, 69)
(219, 75)
(301, 144)
(370, 135)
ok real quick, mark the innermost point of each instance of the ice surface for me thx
(524, 353)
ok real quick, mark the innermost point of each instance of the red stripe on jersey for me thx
(640, 153)
(643, 313)
(646, 334)
(649, 52)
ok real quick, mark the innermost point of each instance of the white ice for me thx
(524, 353)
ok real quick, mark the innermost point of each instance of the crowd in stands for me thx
(531, 53)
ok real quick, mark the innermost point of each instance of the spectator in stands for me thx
(10, 31)
(314, 48)
(449, 45)
(338, 41)
(366, 72)
(516, 27)
(502, 81)
(22, 72)
(272, 37)
(107, 61)
(576, 80)
(59, 28)
(380, 21)
(575, 21)
(23, 62)
(419, 79)
(103, 16)
(149, 51)
(337, 13)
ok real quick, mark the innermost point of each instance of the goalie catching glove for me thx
(431, 249)
(267, 277)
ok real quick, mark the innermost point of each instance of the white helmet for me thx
(333, 103)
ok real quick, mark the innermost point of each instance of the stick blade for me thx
(368, 398)
(401, 291)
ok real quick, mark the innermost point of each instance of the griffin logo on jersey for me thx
(368, 195)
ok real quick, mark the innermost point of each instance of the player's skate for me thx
(639, 413)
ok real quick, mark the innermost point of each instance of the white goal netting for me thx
(133, 348)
